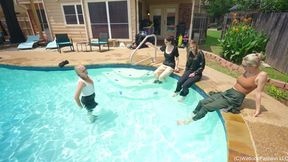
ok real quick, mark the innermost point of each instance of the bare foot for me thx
(184, 122)
(175, 94)
(181, 99)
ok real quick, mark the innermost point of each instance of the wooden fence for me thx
(275, 25)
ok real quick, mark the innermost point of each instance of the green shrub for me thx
(277, 93)
(240, 40)
(274, 6)
(263, 5)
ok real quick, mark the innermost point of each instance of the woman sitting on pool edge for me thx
(171, 60)
(232, 99)
(195, 64)
(86, 87)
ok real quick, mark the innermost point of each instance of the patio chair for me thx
(62, 40)
(52, 45)
(102, 40)
(31, 42)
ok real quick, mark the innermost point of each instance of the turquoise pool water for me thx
(136, 122)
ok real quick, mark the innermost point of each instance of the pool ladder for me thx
(153, 58)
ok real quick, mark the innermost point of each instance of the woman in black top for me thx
(171, 60)
(195, 64)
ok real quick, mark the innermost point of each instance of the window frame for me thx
(108, 18)
(121, 23)
(76, 13)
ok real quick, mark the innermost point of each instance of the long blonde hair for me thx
(253, 60)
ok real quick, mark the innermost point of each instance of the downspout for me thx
(192, 18)
(137, 17)
(36, 18)
(84, 18)
(48, 22)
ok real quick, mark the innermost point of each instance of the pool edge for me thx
(230, 122)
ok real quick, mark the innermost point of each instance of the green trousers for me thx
(230, 100)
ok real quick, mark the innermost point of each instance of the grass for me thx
(274, 74)
(276, 93)
(218, 67)
(212, 44)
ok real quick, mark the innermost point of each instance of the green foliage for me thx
(240, 40)
(211, 43)
(217, 8)
(245, 5)
(274, 74)
(277, 93)
(274, 6)
(262, 5)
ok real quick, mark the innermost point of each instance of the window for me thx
(98, 18)
(73, 14)
(109, 17)
(118, 19)
(42, 19)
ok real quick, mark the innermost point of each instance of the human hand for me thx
(148, 44)
(256, 113)
(176, 70)
(191, 75)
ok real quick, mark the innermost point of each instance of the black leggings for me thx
(185, 82)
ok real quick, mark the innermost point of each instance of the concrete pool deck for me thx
(263, 137)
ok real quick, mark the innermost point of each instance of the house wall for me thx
(165, 2)
(57, 23)
(22, 17)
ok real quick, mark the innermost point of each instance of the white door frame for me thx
(163, 9)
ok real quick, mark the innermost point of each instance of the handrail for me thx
(133, 53)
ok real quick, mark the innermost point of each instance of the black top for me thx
(170, 58)
(195, 63)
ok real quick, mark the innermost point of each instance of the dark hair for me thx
(170, 39)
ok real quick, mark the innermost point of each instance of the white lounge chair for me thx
(31, 41)
(52, 45)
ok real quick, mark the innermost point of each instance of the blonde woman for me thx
(171, 60)
(232, 99)
(86, 88)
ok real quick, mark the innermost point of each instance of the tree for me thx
(217, 8)
(246, 5)
(15, 32)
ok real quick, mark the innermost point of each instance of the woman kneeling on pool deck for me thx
(86, 87)
(195, 64)
(233, 98)
(171, 60)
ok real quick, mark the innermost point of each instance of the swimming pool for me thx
(40, 121)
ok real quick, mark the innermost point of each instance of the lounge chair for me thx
(52, 45)
(62, 40)
(31, 41)
(102, 40)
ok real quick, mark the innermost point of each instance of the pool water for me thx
(40, 120)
